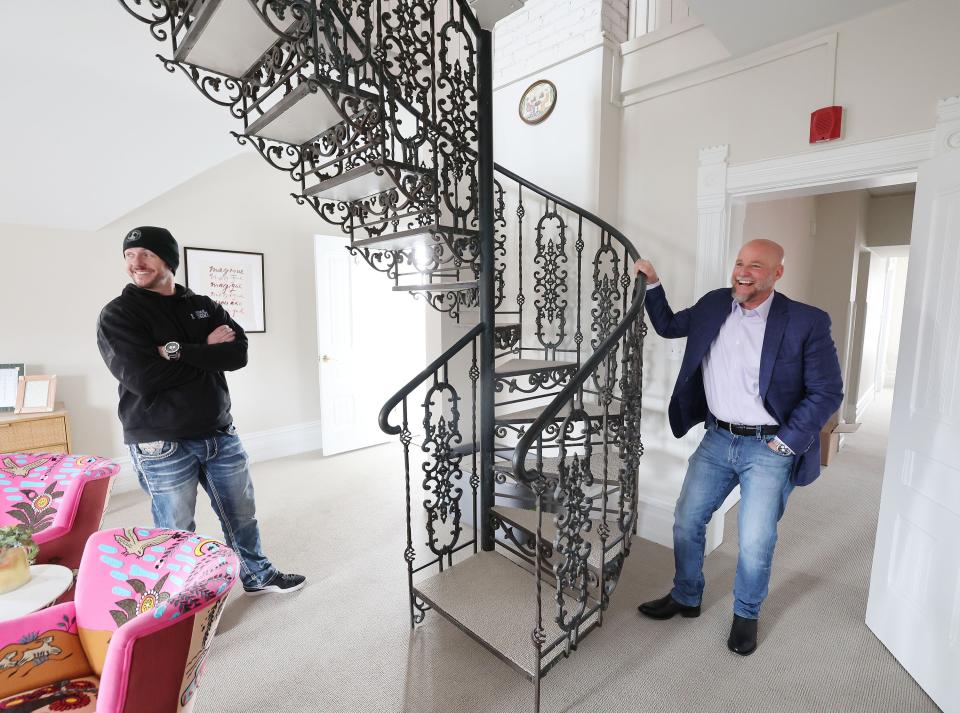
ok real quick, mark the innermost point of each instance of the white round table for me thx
(47, 582)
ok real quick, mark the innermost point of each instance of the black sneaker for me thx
(280, 583)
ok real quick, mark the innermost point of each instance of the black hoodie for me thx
(164, 400)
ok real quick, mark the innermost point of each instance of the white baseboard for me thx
(260, 446)
(863, 403)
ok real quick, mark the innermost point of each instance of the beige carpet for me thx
(344, 642)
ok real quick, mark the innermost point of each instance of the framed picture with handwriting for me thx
(232, 278)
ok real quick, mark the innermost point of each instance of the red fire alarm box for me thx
(825, 124)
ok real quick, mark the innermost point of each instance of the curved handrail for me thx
(392, 402)
(621, 238)
(602, 350)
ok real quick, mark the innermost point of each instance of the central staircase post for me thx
(487, 269)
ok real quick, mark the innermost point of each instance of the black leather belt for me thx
(738, 429)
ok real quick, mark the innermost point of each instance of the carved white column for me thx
(947, 135)
(712, 220)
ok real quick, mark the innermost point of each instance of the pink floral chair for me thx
(137, 636)
(60, 497)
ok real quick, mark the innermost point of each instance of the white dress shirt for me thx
(731, 369)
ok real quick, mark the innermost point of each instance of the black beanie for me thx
(157, 240)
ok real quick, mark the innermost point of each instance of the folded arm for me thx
(228, 355)
(131, 356)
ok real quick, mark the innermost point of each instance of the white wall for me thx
(891, 68)
(57, 281)
(890, 219)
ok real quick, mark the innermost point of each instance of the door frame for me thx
(723, 189)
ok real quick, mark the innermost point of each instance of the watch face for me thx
(171, 347)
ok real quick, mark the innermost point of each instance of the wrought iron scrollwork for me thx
(442, 469)
(573, 522)
(550, 280)
(223, 91)
(154, 13)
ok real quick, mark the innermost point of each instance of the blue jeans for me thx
(170, 471)
(721, 462)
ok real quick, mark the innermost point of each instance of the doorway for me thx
(914, 599)
(370, 341)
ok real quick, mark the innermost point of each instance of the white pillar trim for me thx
(712, 219)
(948, 125)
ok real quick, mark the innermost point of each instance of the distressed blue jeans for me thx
(722, 461)
(169, 471)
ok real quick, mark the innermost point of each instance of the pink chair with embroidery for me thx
(60, 497)
(137, 636)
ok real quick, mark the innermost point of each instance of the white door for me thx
(370, 343)
(914, 604)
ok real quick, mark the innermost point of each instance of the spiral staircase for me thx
(521, 441)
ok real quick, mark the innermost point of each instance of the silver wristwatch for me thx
(172, 350)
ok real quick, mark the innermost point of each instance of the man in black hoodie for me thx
(168, 348)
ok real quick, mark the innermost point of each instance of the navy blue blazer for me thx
(800, 381)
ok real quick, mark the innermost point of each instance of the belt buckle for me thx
(759, 432)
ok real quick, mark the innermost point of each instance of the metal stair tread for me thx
(438, 287)
(526, 520)
(365, 180)
(551, 466)
(412, 236)
(491, 599)
(530, 415)
(518, 367)
(469, 448)
(302, 115)
(228, 38)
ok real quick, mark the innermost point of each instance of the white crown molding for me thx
(834, 164)
(727, 67)
(260, 446)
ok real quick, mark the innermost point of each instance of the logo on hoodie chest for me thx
(200, 314)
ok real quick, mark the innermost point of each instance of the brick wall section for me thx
(548, 31)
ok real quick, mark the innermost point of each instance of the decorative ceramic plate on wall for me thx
(538, 101)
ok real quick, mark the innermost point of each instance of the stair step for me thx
(493, 601)
(302, 115)
(518, 367)
(366, 180)
(438, 287)
(531, 414)
(551, 467)
(414, 236)
(226, 37)
(504, 453)
(526, 520)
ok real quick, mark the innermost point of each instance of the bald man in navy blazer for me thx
(760, 371)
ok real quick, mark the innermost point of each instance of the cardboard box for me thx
(829, 442)
(830, 437)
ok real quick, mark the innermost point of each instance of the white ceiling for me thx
(92, 124)
(744, 26)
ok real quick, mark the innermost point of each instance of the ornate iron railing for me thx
(574, 299)
(443, 448)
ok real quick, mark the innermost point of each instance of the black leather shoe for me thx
(743, 636)
(666, 607)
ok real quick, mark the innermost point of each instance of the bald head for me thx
(759, 265)
(761, 246)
